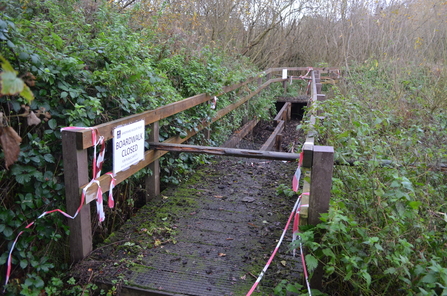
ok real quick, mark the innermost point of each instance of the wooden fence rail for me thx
(76, 142)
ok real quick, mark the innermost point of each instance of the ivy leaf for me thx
(10, 142)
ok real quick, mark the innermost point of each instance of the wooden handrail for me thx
(75, 143)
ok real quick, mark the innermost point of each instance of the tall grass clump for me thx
(385, 230)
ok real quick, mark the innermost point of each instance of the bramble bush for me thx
(91, 67)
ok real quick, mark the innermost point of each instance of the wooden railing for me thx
(76, 142)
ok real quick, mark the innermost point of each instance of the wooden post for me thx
(321, 182)
(278, 142)
(153, 181)
(207, 133)
(319, 85)
(284, 85)
(289, 112)
(320, 193)
(321, 97)
(268, 76)
(308, 150)
(76, 175)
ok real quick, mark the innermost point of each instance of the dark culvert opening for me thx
(297, 109)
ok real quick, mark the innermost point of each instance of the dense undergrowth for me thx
(385, 231)
(90, 66)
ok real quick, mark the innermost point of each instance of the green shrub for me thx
(91, 67)
(384, 233)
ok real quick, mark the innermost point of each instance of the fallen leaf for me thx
(218, 196)
(283, 262)
(10, 141)
(29, 79)
(222, 254)
(10, 84)
(32, 119)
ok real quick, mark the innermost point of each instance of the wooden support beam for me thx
(240, 134)
(153, 181)
(75, 175)
(268, 145)
(283, 114)
(226, 151)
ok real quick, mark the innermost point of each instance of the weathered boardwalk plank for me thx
(228, 218)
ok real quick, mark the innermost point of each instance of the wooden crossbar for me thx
(226, 151)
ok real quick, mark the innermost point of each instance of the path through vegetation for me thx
(209, 236)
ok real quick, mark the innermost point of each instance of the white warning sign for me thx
(128, 145)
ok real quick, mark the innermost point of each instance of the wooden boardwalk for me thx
(227, 219)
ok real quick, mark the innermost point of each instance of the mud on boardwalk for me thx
(209, 236)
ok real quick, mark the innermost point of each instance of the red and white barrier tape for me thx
(100, 158)
(111, 202)
(303, 259)
(297, 175)
(96, 167)
(261, 275)
(296, 221)
(296, 215)
(295, 210)
(307, 74)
